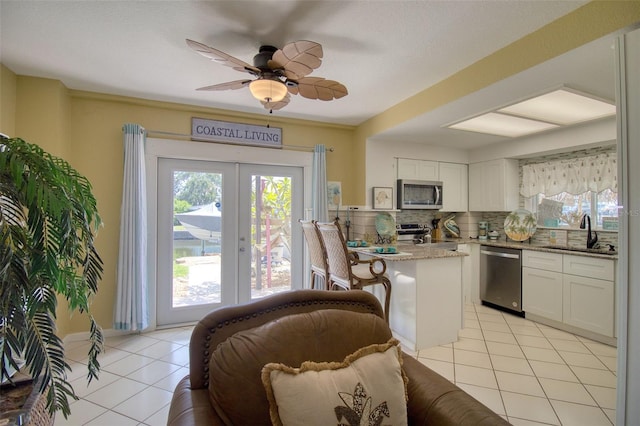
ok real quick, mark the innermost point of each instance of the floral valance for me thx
(594, 173)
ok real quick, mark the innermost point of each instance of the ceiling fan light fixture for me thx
(268, 90)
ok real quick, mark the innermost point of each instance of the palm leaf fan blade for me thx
(320, 88)
(230, 85)
(298, 59)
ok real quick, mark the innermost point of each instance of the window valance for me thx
(593, 173)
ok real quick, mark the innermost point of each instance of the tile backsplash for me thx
(575, 237)
(363, 226)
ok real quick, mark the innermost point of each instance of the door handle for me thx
(241, 249)
(493, 253)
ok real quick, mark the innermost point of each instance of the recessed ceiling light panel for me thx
(561, 107)
(502, 125)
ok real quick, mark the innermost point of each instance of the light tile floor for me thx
(529, 373)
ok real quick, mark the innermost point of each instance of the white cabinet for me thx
(454, 178)
(542, 284)
(588, 293)
(455, 187)
(585, 266)
(588, 303)
(578, 291)
(542, 293)
(542, 260)
(417, 169)
(494, 185)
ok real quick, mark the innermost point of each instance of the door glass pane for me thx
(270, 235)
(197, 236)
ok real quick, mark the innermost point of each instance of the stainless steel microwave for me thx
(419, 194)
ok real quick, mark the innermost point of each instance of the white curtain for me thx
(319, 183)
(132, 304)
(319, 196)
(593, 173)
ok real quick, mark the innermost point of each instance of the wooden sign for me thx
(236, 133)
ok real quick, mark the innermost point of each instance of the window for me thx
(573, 207)
(563, 190)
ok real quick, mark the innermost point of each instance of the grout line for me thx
(504, 406)
(538, 378)
(572, 370)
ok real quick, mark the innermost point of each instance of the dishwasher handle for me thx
(497, 254)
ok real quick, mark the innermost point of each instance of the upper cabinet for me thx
(494, 185)
(455, 187)
(417, 169)
(454, 178)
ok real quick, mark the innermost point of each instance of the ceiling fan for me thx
(278, 72)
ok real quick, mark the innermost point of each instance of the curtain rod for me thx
(184, 135)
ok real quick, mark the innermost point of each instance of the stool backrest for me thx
(337, 253)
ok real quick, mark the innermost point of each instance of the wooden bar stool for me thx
(317, 253)
(347, 270)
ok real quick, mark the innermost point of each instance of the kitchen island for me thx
(426, 307)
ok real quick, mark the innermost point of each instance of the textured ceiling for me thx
(382, 51)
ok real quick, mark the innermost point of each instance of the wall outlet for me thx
(557, 237)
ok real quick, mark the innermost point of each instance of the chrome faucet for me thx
(592, 241)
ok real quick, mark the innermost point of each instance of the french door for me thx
(227, 234)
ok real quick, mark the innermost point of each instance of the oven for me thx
(418, 233)
(408, 232)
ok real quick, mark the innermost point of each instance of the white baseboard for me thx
(110, 332)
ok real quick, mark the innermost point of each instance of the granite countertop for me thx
(410, 252)
(539, 247)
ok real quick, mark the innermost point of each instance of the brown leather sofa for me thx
(291, 328)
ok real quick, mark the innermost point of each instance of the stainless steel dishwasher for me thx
(501, 278)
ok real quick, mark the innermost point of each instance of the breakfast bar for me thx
(426, 299)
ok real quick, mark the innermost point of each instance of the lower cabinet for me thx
(575, 290)
(542, 293)
(588, 303)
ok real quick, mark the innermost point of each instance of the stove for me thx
(409, 231)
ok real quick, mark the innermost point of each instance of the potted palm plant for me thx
(48, 222)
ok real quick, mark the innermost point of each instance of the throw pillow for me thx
(367, 388)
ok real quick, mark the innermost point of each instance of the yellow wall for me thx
(7, 101)
(42, 107)
(86, 129)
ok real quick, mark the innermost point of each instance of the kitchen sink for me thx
(583, 250)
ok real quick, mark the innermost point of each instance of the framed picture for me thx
(382, 197)
(334, 195)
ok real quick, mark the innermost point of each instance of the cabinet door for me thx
(542, 260)
(542, 293)
(455, 188)
(493, 185)
(476, 187)
(603, 269)
(417, 169)
(588, 303)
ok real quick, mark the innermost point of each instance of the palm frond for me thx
(48, 222)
